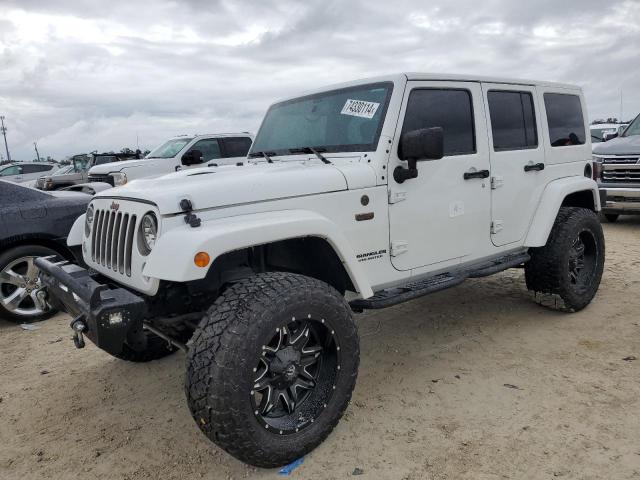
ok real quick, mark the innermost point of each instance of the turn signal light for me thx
(201, 259)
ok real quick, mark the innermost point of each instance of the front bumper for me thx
(623, 199)
(110, 317)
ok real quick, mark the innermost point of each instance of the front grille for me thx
(627, 175)
(621, 160)
(102, 178)
(112, 240)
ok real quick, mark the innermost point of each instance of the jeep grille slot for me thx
(108, 240)
(96, 234)
(129, 245)
(112, 240)
(121, 242)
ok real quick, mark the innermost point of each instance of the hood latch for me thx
(189, 217)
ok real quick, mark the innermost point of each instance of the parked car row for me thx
(353, 197)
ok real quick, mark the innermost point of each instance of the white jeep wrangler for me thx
(355, 197)
(178, 153)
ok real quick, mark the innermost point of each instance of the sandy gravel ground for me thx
(430, 403)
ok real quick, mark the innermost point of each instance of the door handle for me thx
(477, 174)
(535, 167)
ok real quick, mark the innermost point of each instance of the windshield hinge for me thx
(396, 196)
(399, 247)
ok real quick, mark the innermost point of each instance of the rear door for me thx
(442, 216)
(234, 147)
(517, 159)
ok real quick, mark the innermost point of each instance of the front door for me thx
(442, 217)
(517, 159)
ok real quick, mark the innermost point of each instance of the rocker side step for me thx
(393, 296)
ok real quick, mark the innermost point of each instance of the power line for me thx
(4, 133)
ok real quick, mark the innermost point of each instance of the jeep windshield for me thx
(633, 128)
(345, 120)
(170, 148)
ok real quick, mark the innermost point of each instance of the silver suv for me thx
(616, 168)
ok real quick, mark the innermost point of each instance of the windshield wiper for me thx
(265, 155)
(315, 151)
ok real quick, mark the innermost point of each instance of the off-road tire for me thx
(547, 274)
(156, 348)
(11, 255)
(226, 346)
(611, 217)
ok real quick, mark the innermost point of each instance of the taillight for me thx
(597, 170)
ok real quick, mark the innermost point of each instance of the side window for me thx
(209, 148)
(513, 121)
(236, 146)
(36, 168)
(15, 170)
(565, 119)
(450, 109)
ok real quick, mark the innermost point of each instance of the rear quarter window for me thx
(565, 119)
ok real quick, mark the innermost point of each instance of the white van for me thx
(176, 154)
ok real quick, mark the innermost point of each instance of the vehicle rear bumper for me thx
(620, 199)
(111, 316)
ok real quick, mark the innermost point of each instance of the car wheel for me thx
(19, 282)
(566, 272)
(271, 367)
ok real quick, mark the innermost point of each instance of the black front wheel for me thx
(271, 368)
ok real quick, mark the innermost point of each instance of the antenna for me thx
(4, 133)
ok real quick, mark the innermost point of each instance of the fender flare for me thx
(74, 239)
(551, 201)
(172, 256)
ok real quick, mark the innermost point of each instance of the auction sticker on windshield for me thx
(360, 108)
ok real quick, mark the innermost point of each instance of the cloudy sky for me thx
(84, 75)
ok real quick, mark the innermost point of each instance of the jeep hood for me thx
(214, 187)
(116, 166)
(619, 146)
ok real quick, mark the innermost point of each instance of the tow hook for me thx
(78, 326)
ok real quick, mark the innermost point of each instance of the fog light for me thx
(201, 259)
(115, 318)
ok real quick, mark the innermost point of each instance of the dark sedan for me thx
(32, 224)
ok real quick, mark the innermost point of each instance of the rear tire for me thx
(271, 367)
(565, 274)
(611, 217)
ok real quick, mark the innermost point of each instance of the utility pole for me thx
(4, 133)
(35, 145)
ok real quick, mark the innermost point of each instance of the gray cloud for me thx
(83, 75)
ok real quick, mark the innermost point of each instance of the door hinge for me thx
(496, 226)
(398, 248)
(396, 196)
(496, 182)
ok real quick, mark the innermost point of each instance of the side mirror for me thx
(609, 135)
(418, 145)
(192, 157)
(423, 144)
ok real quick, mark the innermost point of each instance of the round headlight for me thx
(88, 220)
(148, 233)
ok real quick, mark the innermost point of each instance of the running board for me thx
(393, 296)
